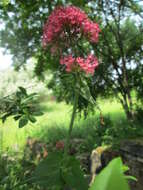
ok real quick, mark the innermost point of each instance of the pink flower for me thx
(92, 29)
(90, 63)
(80, 61)
(68, 19)
(63, 24)
(68, 61)
(87, 65)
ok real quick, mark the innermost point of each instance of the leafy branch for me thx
(21, 106)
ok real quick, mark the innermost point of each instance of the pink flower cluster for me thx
(69, 19)
(87, 65)
(92, 29)
(66, 23)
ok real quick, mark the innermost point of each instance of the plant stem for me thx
(1, 141)
(67, 146)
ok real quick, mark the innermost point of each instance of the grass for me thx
(13, 136)
(53, 124)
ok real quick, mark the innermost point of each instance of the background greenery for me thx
(116, 87)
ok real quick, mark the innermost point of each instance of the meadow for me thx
(53, 124)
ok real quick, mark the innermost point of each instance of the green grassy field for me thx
(56, 116)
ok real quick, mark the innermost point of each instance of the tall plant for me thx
(66, 29)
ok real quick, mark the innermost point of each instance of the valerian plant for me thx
(67, 29)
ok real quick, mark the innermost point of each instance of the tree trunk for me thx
(127, 91)
(127, 106)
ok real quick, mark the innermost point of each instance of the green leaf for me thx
(78, 2)
(131, 178)
(3, 119)
(48, 172)
(16, 117)
(56, 171)
(23, 90)
(73, 175)
(23, 121)
(5, 116)
(32, 119)
(33, 94)
(85, 92)
(27, 100)
(111, 178)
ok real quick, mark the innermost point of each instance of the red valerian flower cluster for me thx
(70, 22)
(87, 65)
(72, 17)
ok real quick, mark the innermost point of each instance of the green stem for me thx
(1, 141)
(67, 146)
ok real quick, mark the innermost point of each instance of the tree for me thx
(120, 50)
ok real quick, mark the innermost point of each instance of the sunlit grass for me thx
(57, 115)
(113, 109)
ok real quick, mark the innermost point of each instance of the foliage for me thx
(4, 2)
(111, 177)
(121, 56)
(52, 128)
(21, 106)
(58, 172)
(14, 170)
(120, 47)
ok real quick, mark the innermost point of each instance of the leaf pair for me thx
(59, 172)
